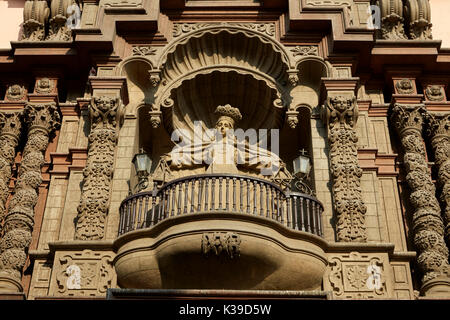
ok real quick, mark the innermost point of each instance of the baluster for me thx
(139, 213)
(152, 216)
(220, 193)
(308, 221)
(288, 201)
(206, 193)
(133, 215)
(162, 206)
(314, 223)
(185, 190)
(241, 195)
(144, 211)
(278, 205)
(227, 194)
(298, 224)
(280, 208)
(261, 199)
(302, 217)
(192, 195)
(248, 195)
(320, 212)
(234, 194)
(267, 201)
(272, 192)
(213, 192)
(172, 211)
(180, 195)
(254, 197)
(128, 215)
(200, 189)
(120, 220)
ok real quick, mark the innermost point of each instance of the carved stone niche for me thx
(358, 275)
(82, 273)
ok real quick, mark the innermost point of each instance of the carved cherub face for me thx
(435, 90)
(405, 84)
(224, 124)
(14, 90)
(44, 83)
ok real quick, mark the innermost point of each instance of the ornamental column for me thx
(439, 131)
(340, 114)
(427, 225)
(10, 126)
(41, 119)
(95, 195)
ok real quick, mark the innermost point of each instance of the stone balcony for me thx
(219, 231)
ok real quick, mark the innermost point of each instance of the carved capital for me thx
(407, 117)
(341, 111)
(35, 15)
(11, 124)
(104, 112)
(42, 116)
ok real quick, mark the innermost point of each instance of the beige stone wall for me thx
(11, 18)
(439, 19)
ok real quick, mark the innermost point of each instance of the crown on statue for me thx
(229, 111)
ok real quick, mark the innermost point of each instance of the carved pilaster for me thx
(10, 125)
(341, 114)
(392, 20)
(41, 119)
(439, 131)
(35, 15)
(95, 196)
(427, 223)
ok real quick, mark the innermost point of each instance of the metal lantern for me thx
(142, 163)
(302, 164)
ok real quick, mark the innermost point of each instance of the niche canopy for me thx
(236, 63)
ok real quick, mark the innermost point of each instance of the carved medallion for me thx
(143, 51)
(404, 86)
(434, 93)
(305, 51)
(15, 92)
(44, 85)
(218, 242)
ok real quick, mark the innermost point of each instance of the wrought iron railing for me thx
(221, 193)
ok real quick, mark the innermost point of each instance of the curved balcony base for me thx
(264, 255)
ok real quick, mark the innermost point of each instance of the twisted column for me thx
(341, 115)
(439, 131)
(10, 125)
(95, 194)
(427, 223)
(41, 119)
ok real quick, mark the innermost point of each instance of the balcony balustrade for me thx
(210, 193)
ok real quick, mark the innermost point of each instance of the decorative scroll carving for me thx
(305, 51)
(41, 119)
(216, 242)
(84, 273)
(328, 3)
(10, 126)
(418, 13)
(357, 276)
(439, 131)
(95, 196)
(15, 92)
(435, 93)
(292, 118)
(341, 114)
(45, 85)
(58, 29)
(404, 86)
(182, 28)
(392, 20)
(426, 219)
(35, 15)
(123, 3)
(143, 51)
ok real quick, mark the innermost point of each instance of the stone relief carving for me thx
(35, 15)
(15, 92)
(42, 119)
(218, 242)
(434, 93)
(341, 114)
(426, 218)
(305, 51)
(392, 27)
(357, 275)
(93, 208)
(123, 3)
(418, 13)
(439, 131)
(404, 86)
(10, 126)
(45, 85)
(328, 3)
(58, 29)
(144, 51)
(86, 273)
(183, 28)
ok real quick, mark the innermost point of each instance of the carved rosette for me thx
(439, 131)
(341, 115)
(426, 219)
(41, 120)
(95, 196)
(10, 125)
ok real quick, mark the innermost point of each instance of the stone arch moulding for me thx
(243, 48)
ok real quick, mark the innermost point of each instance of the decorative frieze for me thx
(144, 51)
(439, 131)
(427, 223)
(305, 51)
(182, 28)
(218, 242)
(42, 119)
(95, 196)
(10, 126)
(341, 114)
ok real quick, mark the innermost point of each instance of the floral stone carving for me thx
(426, 219)
(218, 242)
(42, 119)
(341, 114)
(58, 29)
(95, 195)
(183, 28)
(392, 27)
(439, 129)
(35, 15)
(305, 51)
(85, 273)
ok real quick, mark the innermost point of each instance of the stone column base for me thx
(437, 288)
(9, 285)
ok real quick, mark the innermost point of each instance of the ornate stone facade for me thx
(104, 115)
